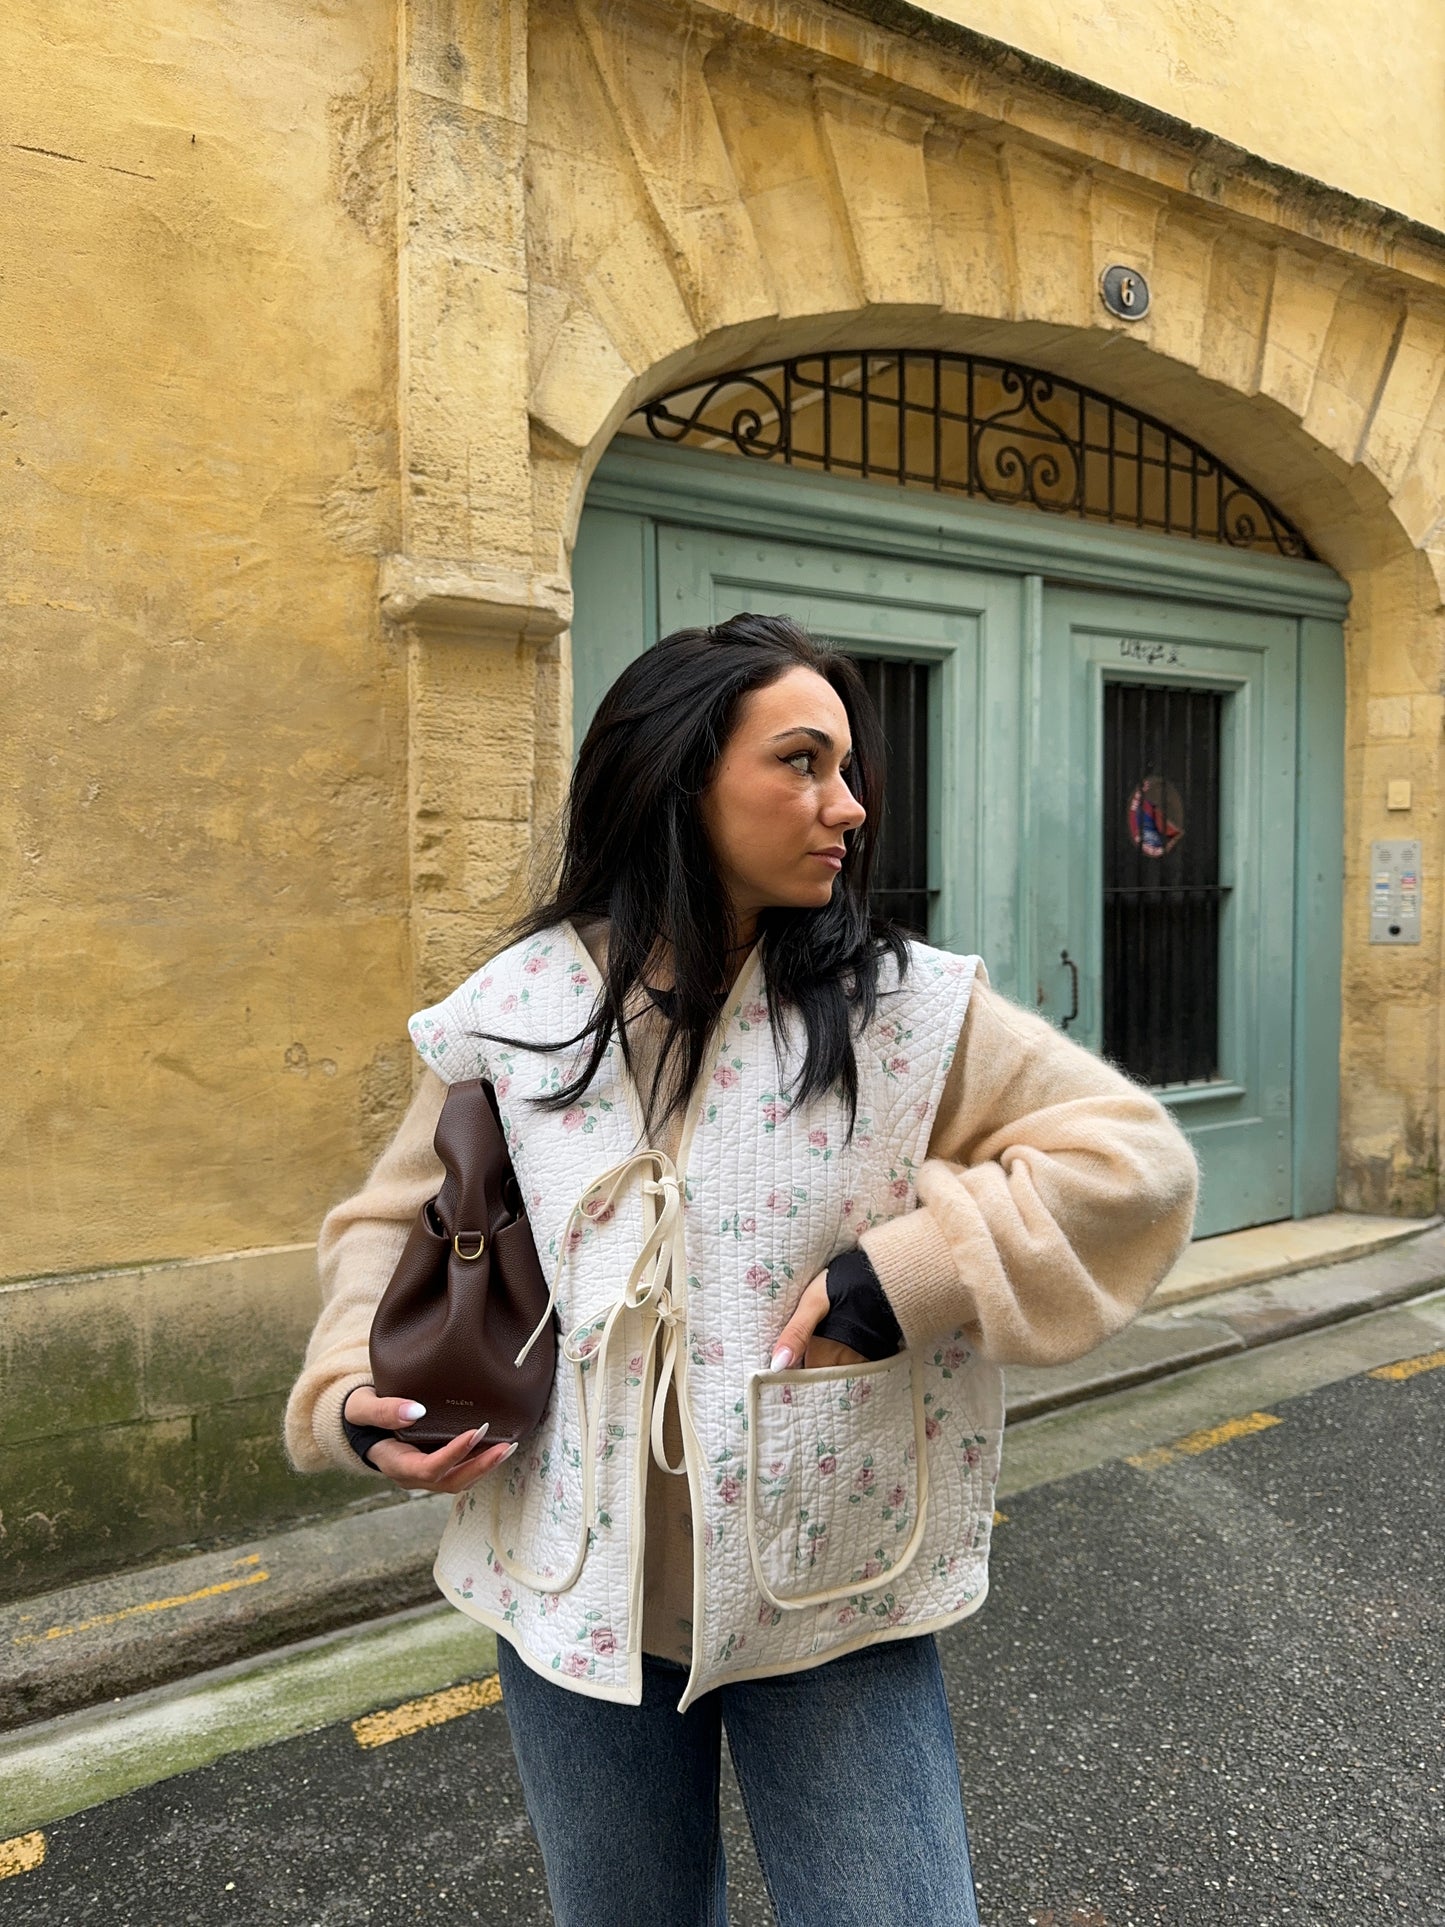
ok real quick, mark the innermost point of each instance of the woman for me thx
(806, 1186)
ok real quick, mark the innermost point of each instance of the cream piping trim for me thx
(816, 1374)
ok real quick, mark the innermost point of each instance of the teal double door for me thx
(1095, 788)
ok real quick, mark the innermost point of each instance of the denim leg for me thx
(623, 1799)
(849, 1772)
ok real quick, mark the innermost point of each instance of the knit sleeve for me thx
(1055, 1196)
(357, 1251)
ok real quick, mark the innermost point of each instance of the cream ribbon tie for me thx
(659, 1266)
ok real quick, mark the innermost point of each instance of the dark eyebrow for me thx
(819, 736)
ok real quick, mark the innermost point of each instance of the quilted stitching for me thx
(833, 1488)
(773, 1190)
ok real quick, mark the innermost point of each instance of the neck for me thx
(659, 974)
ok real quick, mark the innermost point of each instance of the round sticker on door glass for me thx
(1156, 817)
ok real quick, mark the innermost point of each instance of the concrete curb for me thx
(1172, 1340)
(57, 1767)
(136, 1631)
(131, 1631)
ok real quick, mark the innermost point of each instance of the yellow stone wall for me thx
(206, 846)
(321, 322)
(1351, 92)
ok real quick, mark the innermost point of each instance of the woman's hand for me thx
(452, 1468)
(797, 1340)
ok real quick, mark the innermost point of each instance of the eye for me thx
(802, 760)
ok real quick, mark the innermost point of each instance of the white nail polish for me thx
(411, 1411)
(781, 1359)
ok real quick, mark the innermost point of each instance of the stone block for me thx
(1388, 718)
(1124, 218)
(1183, 248)
(876, 151)
(243, 1478)
(226, 1328)
(450, 945)
(591, 225)
(773, 140)
(657, 83)
(1301, 309)
(1419, 501)
(972, 241)
(1411, 384)
(1352, 367)
(1052, 244)
(70, 1356)
(579, 374)
(472, 55)
(88, 1501)
(1241, 275)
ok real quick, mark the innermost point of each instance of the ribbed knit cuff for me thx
(918, 1271)
(326, 1427)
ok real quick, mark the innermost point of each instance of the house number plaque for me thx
(1125, 293)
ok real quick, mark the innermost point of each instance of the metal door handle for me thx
(1067, 961)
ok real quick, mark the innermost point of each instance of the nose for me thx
(842, 810)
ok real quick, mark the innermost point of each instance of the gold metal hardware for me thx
(469, 1257)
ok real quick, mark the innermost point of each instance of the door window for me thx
(1163, 894)
(902, 693)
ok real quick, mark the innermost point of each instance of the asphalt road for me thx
(1208, 1688)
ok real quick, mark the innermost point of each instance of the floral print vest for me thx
(831, 1508)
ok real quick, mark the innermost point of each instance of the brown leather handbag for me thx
(467, 1293)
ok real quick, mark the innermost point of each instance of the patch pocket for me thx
(837, 1487)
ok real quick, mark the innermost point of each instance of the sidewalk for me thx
(131, 1632)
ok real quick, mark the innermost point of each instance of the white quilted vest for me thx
(830, 1508)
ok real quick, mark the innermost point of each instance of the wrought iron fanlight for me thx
(970, 425)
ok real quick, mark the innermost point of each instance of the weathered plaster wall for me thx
(204, 855)
(205, 864)
(1351, 92)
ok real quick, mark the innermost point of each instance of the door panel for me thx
(1164, 870)
(966, 625)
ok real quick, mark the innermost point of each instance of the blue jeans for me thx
(848, 1771)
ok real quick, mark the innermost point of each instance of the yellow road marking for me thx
(21, 1854)
(1205, 1441)
(149, 1606)
(379, 1729)
(1408, 1367)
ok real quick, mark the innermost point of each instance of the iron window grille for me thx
(901, 692)
(1165, 890)
(970, 425)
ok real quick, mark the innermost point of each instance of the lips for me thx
(833, 855)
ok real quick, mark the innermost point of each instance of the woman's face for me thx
(778, 806)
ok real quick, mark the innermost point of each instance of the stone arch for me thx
(736, 216)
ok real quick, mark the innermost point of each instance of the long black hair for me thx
(635, 852)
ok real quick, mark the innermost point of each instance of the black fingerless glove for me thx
(361, 1438)
(859, 1314)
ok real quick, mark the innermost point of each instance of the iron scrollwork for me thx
(743, 422)
(972, 425)
(1020, 454)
